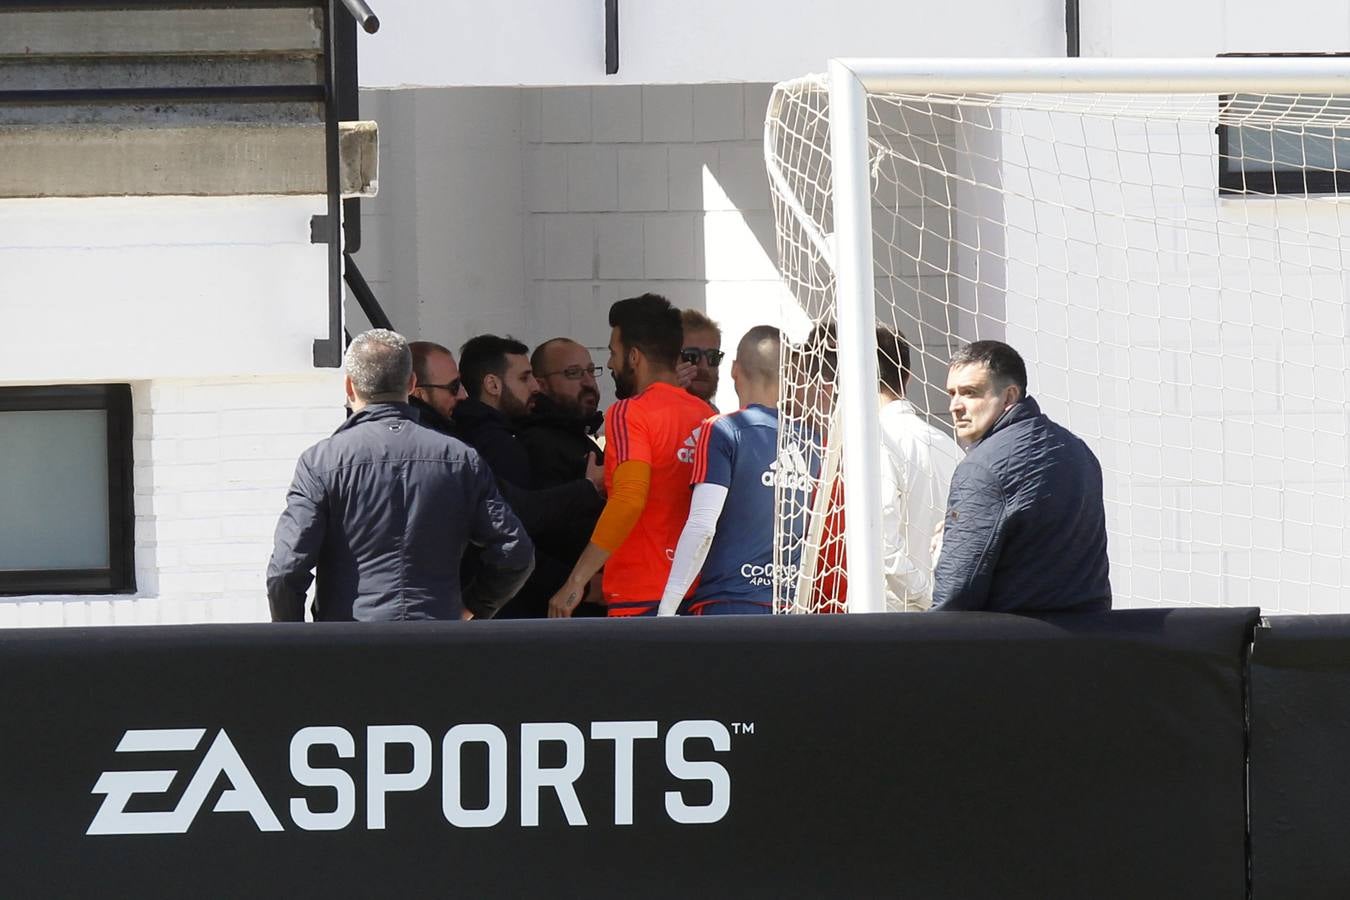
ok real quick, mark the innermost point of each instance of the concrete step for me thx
(154, 32)
(192, 160)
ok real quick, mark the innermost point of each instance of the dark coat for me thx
(559, 519)
(494, 437)
(368, 507)
(1026, 524)
(542, 511)
(557, 444)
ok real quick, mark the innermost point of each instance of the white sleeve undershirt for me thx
(704, 510)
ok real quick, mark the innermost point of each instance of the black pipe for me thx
(370, 305)
(1071, 28)
(328, 351)
(363, 15)
(611, 37)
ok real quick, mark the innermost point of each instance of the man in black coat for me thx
(496, 376)
(367, 509)
(558, 436)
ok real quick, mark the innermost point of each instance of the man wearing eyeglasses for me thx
(701, 355)
(558, 435)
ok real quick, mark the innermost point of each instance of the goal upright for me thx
(1164, 241)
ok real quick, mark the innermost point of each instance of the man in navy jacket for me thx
(385, 508)
(1026, 525)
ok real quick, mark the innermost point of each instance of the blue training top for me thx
(738, 451)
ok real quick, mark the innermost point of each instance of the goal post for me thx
(1164, 241)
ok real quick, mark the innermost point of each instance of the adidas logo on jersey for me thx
(686, 453)
(789, 470)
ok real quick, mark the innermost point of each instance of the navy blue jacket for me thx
(1026, 525)
(384, 509)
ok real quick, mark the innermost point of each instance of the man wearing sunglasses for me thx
(700, 356)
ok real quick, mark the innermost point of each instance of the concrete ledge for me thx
(143, 32)
(207, 160)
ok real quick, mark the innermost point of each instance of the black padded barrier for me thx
(957, 755)
(1300, 758)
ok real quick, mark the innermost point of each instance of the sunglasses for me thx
(453, 387)
(691, 355)
(574, 373)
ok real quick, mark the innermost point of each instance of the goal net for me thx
(1171, 266)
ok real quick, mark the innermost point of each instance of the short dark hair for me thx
(650, 324)
(892, 360)
(1003, 362)
(485, 355)
(421, 352)
(537, 357)
(820, 353)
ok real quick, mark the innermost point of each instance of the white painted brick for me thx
(616, 113)
(569, 246)
(220, 555)
(619, 239)
(200, 424)
(667, 113)
(756, 109)
(255, 472)
(320, 423)
(200, 503)
(592, 178)
(186, 476)
(642, 178)
(41, 614)
(686, 294)
(10, 613)
(565, 115)
(668, 240)
(534, 246)
(719, 112)
(262, 421)
(123, 610)
(686, 174)
(546, 179)
(733, 252)
(198, 450)
(742, 176)
(531, 117)
(551, 314)
(186, 531)
(188, 584)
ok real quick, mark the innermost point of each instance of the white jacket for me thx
(917, 462)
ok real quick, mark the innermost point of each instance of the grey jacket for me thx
(384, 509)
(1026, 524)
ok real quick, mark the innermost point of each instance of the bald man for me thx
(728, 537)
(558, 434)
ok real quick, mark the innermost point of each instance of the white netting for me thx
(1194, 337)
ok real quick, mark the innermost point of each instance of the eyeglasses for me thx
(573, 373)
(691, 355)
(453, 387)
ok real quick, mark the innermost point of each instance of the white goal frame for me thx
(850, 80)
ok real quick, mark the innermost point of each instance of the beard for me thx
(513, 407)
(625, 382)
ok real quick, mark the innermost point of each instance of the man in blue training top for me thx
(729, 534)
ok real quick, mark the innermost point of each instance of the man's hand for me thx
(595, 473)
(684, 374)
(561, 604)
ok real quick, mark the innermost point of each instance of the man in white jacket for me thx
(917, 462)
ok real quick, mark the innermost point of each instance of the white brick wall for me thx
(213, 459)
(617, 190)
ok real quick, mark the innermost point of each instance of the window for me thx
(1284, 143)
(66, 515)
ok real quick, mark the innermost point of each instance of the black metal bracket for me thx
(611, 37)
(1071, 28)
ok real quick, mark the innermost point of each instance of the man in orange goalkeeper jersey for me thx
(650, 435)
